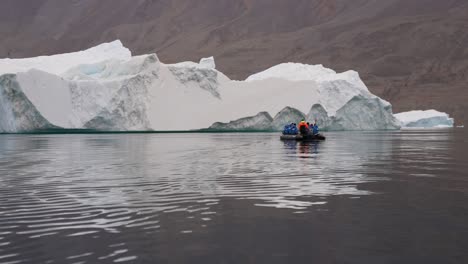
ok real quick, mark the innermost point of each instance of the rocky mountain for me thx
(412, 53)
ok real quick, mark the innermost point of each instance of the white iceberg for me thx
(106, 88)
(58, 64)
(425, 119)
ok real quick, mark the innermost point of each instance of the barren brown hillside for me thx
(412, 53)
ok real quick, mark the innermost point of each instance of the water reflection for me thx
(78, 186)
(305, 149)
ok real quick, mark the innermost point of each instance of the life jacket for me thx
(315, 129)
(294, 130)
(287, 130)
(303, 128)
(302, 124)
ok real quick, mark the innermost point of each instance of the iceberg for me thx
(319, 115)
(286, 116)
(424, 119)
(261, 121)
(106, 88)
(362, 113)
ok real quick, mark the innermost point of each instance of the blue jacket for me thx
(315, 129)
(294, 130)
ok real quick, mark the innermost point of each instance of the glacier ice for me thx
(208, 63)
(362, 113)
(287, 116)
(319, 115)
(261, 121)
(304, 72)
(18, 114)
(106, 88)
(424, 119)
(58, 64)
(204, 77)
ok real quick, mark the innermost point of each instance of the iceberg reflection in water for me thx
(90, 186)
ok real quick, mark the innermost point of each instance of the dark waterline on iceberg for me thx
(371, 197)
(67, 131)
(63, 131)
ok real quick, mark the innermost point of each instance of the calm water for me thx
(381, 197)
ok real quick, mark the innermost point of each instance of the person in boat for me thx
(303, 128)
(315, 128)
(288, 129)
(293, 129)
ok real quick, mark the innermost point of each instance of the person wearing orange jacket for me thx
(303, 128)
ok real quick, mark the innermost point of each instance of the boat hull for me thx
(303, 137)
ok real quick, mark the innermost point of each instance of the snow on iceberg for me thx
(58, 64)
(106, 88)
(424, 119)
(208, 63)
(304, 72)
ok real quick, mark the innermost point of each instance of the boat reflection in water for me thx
(303, 149)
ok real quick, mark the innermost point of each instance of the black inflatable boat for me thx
(299, 137)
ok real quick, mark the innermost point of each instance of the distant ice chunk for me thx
(425, 119)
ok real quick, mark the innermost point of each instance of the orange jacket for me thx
(303, 124)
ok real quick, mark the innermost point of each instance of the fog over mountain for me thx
(412, 53)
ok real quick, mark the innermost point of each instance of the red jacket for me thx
(303, 124)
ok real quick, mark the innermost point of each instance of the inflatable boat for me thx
(299, 137)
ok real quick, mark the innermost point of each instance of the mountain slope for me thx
(413, 54)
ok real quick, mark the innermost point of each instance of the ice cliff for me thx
(106, 88)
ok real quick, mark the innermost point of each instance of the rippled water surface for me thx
(380, 197)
